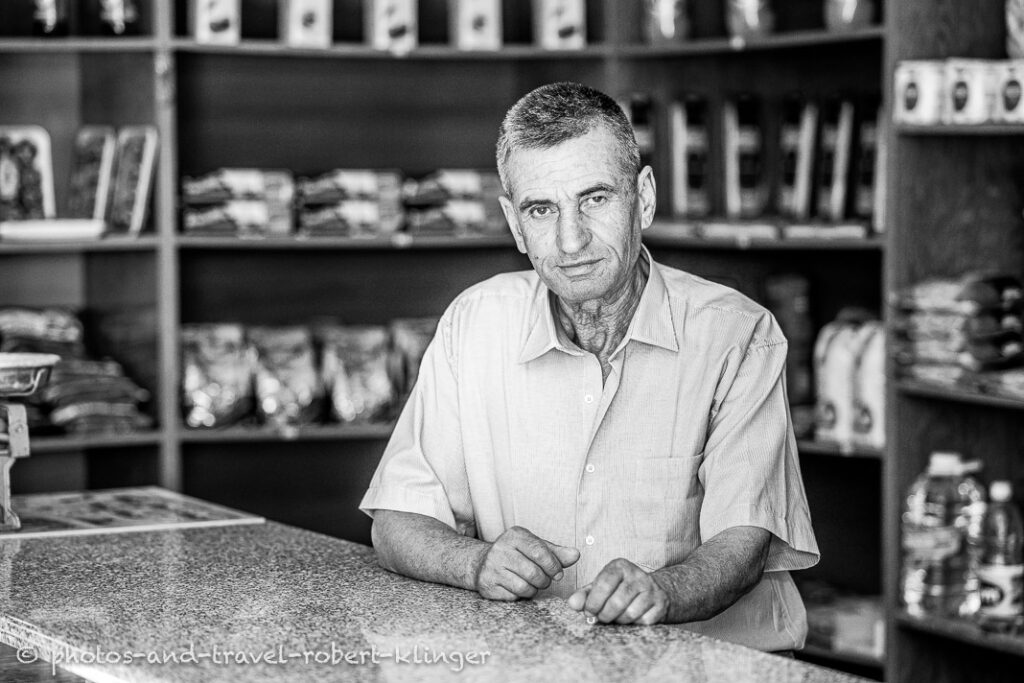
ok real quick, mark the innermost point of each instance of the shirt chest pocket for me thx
(665, 510)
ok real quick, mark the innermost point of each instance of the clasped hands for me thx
(519, 564)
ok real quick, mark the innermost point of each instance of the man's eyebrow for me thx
(600, 187)
(527, 202)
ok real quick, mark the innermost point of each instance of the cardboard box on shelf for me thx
(306, 23)
(475, 24)
(560, 24)
(391, 25)
(688, 141)
(216, 22)
(917, 97)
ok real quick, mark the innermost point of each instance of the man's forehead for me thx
(583, 160)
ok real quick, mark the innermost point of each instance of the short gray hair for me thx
(557, 112)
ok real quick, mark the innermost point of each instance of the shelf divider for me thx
(307, 433)
(927, 390)
(962, 631)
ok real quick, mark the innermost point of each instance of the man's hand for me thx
(622, 593)
(519, 564)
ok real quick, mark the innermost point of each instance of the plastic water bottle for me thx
(1002, 561)
(937, 575)
(974, 515)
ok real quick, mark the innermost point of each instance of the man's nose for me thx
(573, 234)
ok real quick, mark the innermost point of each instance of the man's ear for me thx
(647, 196)
(513, 223)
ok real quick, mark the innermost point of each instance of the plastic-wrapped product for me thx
(410, 338)
(48, 330)
(869, 389)
(218, 372)
(355, 370)
(289, 392)
(749, 18)
(971, 294)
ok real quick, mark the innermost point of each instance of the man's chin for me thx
(578, 292)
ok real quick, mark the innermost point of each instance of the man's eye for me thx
(596, 200)
(540, 211)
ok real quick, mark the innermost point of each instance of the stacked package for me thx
(849, 368)
(410, 338)
(289, 392)
(289, 377)
(454, 202)
(788, 298)
(356, 373)
(350, 203)
(245, 202)
(83, 396)
(218, 375)
(840, 621)
(958, 91)
(963, 331)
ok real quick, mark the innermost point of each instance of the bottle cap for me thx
(971, 466)
(944, 463)
(1000, 491)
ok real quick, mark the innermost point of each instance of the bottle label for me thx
(932, 544)
(1002, 589)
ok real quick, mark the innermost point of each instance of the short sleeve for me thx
(422, 469)
(750, 471)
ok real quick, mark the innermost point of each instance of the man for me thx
(602, 429)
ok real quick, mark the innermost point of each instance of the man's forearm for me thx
(424, 548)
(715, 575)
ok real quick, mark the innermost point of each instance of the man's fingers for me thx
(605, 585)
(654, 615)
(515, 584)
(501, 593)
(536, 552)
(526, 568)
(636, 609)
(618, 602)
(577, 599)
(566, 556)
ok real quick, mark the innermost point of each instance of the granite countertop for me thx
(211, 596)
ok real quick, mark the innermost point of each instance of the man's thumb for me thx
(567, 556)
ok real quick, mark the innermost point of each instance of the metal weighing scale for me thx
(20, 375)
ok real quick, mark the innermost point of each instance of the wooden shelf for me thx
(927, 390)
(401, 241)
(854, 658)
(949, 129)
(360, 51)
(812, 447)
(962, 631)
(779, 41)
(144, 243)
(64, 444)
(77, 44)
(311, 433)
(668, 233)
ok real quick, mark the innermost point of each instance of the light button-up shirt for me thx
(689, 435)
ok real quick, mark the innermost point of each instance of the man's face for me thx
(577, 216)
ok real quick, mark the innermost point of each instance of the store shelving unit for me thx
(261, 104)
(938, 391)
(811, 447)
(989, 129)
(394, 242)
(310, 433)
(954, 202)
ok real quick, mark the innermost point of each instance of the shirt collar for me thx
(651, 324)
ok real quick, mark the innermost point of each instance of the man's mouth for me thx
(579, 267)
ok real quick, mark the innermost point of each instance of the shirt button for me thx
(589, 540)
(590, 468)
(589, 398)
